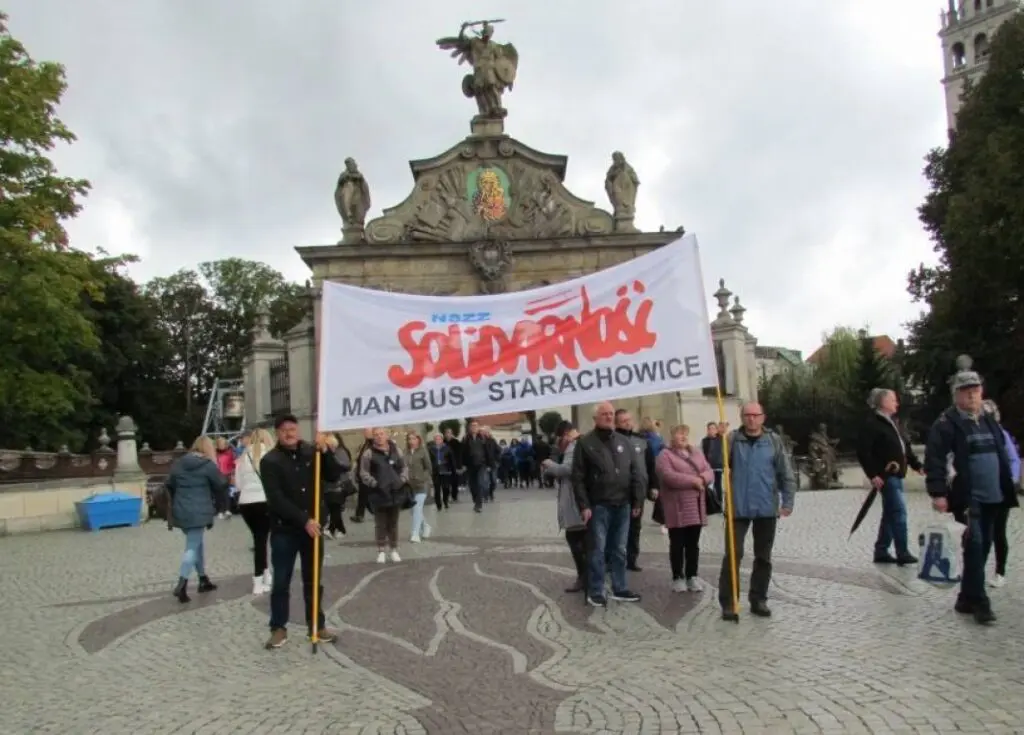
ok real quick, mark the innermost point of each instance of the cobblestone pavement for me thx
(472, 633)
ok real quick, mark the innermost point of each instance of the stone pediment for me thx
(492, 188)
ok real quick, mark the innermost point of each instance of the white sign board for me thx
(636, 329)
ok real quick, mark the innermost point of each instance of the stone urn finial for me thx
(722, 297)
(104, 440)
(737, 310)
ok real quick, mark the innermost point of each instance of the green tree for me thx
(209, 315)
(41, 279)
(975, 216)
(873, 371)
(549, 421)
(131, 373)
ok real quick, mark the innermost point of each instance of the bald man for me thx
(763, 488)
(607, 485)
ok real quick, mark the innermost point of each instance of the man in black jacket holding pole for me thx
(287, 472)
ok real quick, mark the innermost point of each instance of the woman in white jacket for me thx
(252, 504)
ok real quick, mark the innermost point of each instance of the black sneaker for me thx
(983, 615)
(906, 560)
(760, 609)
(885, 559)
(478, 509)
(964, 607)
(597, 601)
(625, 596)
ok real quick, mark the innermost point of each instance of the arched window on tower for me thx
(980, 47)
(977, 6)
(959, 55)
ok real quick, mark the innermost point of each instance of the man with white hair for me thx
(884, 454)
(979, 487)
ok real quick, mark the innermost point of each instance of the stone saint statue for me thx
(352, 196)
(621, 184)
(821, 449)
(494, 66)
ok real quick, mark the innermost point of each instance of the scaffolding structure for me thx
(225, 413)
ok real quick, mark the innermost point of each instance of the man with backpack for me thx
(763, 489)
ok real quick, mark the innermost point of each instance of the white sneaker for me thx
(997, 581)
(664, 530)
(427, 530)
(693, 584)
(381, 557)
(415, 539)
(258, 588)
(394, 556)
(679, 585)
(268, 580)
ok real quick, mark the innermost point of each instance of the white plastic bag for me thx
(939, 557)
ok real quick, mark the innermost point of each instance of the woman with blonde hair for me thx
(421, 479)
(196, 489)
(684, 475)
(252, 504)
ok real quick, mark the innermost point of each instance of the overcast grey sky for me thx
(789, 136)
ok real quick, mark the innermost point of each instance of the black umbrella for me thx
(864, 508)
(891, 468)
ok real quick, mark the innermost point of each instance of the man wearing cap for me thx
(287, 472)
(968, 474)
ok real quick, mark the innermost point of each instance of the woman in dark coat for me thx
(197, 489)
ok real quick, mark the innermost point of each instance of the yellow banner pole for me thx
(315, 632)
(730, 528)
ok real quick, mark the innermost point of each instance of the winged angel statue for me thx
(494, 66)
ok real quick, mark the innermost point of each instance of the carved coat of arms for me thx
(491, 259)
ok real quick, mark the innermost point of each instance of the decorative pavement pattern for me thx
(473, 633)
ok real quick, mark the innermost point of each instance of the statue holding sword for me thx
(494, 66)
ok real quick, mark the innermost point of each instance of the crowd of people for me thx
(603, 478)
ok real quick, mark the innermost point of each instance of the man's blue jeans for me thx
(479, 479)
(284, 547)
(977, 543)
(893, 525)
(608, 532)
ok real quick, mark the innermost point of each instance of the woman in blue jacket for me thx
(197, 490)
(999, 539)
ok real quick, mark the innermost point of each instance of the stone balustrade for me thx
(38, 490)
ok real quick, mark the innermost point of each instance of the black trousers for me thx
(577, 541)
(999, 540)
(335, 512)
(761, 577)
(362, 497)
(257, 519)
(443, 489)
(684, 551)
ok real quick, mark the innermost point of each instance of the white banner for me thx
(636, 329)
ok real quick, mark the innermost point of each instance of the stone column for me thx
(128, 475)
(300, 343)
(256, 370)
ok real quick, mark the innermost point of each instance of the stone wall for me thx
(50, 506)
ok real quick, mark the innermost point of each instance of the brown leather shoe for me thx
(278, 637)
(326, 635)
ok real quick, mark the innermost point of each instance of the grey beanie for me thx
(964, 377)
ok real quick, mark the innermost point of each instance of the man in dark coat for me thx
(648, 479)
(884, 453)
(968, 474)
(288, 472)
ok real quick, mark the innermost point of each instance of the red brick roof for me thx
(501, 419)
(883, 345)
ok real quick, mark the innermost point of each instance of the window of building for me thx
(959, 55)
(980, 47)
